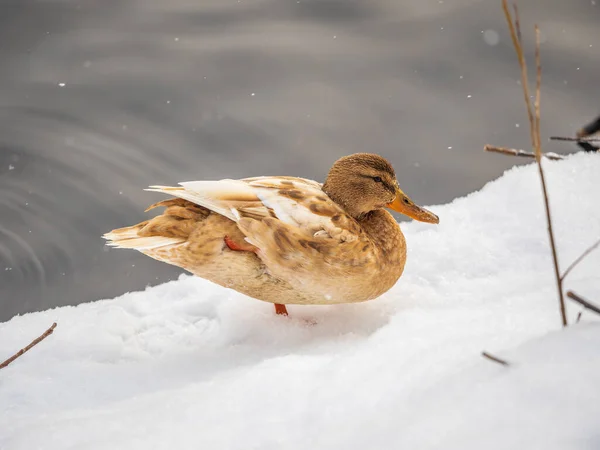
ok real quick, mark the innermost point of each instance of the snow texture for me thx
(190, 365)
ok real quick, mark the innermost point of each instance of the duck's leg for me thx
(239, 246)
(280, 309)
(245, 247)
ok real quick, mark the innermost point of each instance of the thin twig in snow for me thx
(519, 152)
(36, 341)
(583, 302)
(578, 317)
(579, 259)
(495, 359)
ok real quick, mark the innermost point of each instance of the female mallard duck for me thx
(286, 240)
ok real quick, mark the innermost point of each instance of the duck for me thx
(282, 239)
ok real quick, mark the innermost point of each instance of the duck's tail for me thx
(168, 229)
(129, 237)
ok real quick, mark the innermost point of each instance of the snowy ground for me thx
(189, 365)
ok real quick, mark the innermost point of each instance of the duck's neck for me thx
(381, 226)
(340, 197)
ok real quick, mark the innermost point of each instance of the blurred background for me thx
(100, 98)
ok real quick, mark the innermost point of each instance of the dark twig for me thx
(36, 341)
(587, 147)
(583, 302)
(574, 139)
(534, 125)
(589, 128)
(584, 143)
(495, 359)
(580, 258)
(578, 317)
(519, 152)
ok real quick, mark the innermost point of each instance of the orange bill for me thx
(406, 206)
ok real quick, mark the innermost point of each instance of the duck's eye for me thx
(377, 179)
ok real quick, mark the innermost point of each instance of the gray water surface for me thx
(99, 99)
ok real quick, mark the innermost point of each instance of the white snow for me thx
(190, 365)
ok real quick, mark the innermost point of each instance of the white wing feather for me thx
(287, 209)
(213, 195)
(260, 196)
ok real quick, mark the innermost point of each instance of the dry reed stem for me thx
(523, 66)
(517, 23)
(538, 89)
(534, 126)
(36, 341)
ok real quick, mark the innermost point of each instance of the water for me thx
(99, 99)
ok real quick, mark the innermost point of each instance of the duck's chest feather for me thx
(352, 270)
(389, 250)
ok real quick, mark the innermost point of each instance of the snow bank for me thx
(190, 365)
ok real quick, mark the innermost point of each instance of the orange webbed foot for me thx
(280, 310)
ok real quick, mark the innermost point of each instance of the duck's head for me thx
(365, 182)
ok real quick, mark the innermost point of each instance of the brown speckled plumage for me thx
(285, 240)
